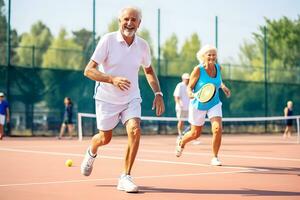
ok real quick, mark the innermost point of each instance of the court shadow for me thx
(243, 191)
(115, 187)
(271, 170)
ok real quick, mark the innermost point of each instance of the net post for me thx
(298, 129)
(79, 127)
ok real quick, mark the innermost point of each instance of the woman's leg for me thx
(216, 128)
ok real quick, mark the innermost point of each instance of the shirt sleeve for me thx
(101, 51)
(146, 61)
(176, 91)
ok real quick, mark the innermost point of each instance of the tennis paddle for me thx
(206, 93)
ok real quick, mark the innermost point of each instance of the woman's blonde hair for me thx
(200, 54)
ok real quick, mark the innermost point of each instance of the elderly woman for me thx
(208, 72)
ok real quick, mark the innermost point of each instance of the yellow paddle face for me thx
(206, 93)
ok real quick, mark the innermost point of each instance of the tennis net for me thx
(168, 125)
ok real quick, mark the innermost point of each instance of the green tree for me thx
(170, 48)
(188, 53)
(283, 47)
(170, 55)
(113, 25)
(84, 39)
(33, 45)
(3, 29)
(251, 61)
(283, 40)
(145, 34)
(3, 37)
(64, 53)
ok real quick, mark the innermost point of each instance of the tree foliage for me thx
(84, 38)
(145, 34)
(3, 37)
(63, 52)
(113, 25)
(170, 48)
(190, 47)
(283, 42)
(33, 45)
(283, 47)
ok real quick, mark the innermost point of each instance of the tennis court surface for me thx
(254, 167)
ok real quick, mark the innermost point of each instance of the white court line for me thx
(168, 152)
(209, 154)
(106, 179)
(121, 158)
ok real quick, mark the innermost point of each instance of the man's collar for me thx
(121, 39)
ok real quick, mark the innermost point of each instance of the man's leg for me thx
(180, 125)
(100, 139)
(134, 133)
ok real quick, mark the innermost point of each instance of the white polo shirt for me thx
(116, 58)
(181, 92)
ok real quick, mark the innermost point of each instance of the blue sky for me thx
(238, 19)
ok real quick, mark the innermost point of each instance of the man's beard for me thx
(128, 33)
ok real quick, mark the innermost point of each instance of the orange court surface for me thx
(254, 167)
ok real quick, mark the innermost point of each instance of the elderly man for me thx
(114, 66)
(182, 101)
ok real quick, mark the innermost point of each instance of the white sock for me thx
(91, 154)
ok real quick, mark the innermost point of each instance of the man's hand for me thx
(121, 83)
(158, 104)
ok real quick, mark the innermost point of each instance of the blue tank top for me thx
(204, 79)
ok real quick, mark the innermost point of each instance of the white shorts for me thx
(182, 114)
(2, 119)
(197, 117)
(108, 115)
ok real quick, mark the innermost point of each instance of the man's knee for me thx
(102, 138)
(133, 129)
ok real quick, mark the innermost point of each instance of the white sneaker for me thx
(178, 149)
(126, 184)
(215, 162)
(87, 163)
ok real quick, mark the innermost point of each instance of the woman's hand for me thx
(225, 90)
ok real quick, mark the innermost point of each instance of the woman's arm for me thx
(195, 75)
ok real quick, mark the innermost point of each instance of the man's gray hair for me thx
(139, 12)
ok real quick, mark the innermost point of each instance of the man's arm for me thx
(177, 100)
(93, 73)
(158, 101)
